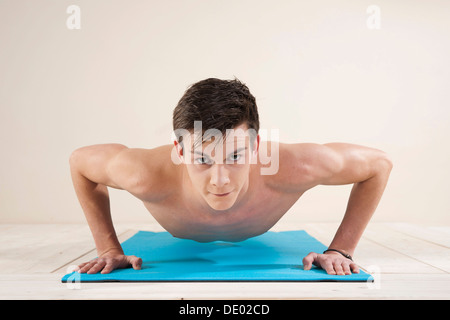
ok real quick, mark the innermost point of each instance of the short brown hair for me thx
(218, 104)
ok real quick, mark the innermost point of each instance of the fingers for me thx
(308, 260)
(135, 262)
(97, 267)
(91, 267)
(332, 264)
(329, 266)
(108, 264)
(346, 268)
(342, 268)
(82, 265)
(354, 267)
(85, 267)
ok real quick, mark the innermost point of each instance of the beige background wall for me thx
(318, 72)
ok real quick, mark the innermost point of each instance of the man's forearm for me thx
(94, 200)
(363, 201)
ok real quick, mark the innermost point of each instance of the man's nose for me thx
(219, 175)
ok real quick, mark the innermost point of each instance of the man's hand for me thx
(110, 261)
(331, 262)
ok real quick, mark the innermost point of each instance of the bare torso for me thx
(181, 199)
(184, 219)
(262, 205)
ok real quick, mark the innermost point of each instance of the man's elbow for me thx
(384, 162)
(74, 157)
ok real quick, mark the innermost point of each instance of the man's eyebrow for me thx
(236, 151)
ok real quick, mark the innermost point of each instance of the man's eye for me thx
(202, 160)
(235, 157)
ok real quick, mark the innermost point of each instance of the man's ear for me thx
(179, 147)
(254, 149)
(256, 145)
(177, 153)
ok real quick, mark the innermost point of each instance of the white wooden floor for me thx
(408, 262)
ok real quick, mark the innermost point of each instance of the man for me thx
(209, 185)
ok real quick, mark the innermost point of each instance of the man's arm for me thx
(368, 169)
(338, 164)
(93, 169)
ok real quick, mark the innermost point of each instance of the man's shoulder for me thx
(153, 173)
(144, 160)
(297, 163)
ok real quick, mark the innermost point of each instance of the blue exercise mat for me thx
(272, 256)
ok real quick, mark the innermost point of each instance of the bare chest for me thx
(260, 212)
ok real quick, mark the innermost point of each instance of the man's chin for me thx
(220, 206)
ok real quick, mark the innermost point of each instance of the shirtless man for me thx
(208, 188)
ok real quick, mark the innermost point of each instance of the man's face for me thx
(219, 169)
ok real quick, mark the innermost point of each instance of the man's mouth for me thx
(221, 194)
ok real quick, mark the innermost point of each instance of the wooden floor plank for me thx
(391, 286)
(42, 247)
(411, 265)
(68, 266)
(437, 235)
(371, 255)
(424, 251)
(24, 246)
